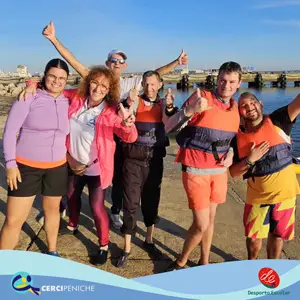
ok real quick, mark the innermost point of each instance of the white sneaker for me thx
(71, 228)
(41, 220)
(63, 213)
(116, 221)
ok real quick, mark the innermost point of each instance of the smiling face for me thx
(55, 80)
(250, 109)
(117, 64)
(151, 86)
(98, 88)
(227, 84)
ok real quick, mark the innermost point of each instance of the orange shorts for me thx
(202, 190)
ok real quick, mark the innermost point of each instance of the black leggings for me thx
(141, 185)
(117, 188)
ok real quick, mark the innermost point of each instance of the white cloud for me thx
(274, 4)
(293, 23)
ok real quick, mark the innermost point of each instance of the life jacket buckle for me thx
(215, 152)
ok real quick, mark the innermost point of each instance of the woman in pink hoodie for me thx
(93, 122)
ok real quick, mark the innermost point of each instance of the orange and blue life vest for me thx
(149, 124)
(212, 130)
(277, 158)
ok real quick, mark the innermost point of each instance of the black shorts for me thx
(47, 182)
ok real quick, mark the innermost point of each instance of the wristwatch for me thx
(249, 164)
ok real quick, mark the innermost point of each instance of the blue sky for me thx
(261, 33)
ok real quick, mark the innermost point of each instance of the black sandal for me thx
(122, 260)
(174, 267)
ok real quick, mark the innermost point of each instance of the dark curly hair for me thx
(113, 96)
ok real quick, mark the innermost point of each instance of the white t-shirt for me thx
(82, 137)
(126, 84)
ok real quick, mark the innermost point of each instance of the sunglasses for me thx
(115, 60)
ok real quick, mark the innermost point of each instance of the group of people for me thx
(110, 131)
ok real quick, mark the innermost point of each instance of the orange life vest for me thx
(151, 129)
(212, 130)
(279, 155)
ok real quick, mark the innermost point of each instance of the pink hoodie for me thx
(108, 123)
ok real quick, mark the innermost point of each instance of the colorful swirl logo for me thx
(22, 283)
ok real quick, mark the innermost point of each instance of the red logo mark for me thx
(269, 278)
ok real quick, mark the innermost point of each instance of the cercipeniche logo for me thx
(269, 278)
(22, 283)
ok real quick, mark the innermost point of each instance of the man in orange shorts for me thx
(263, 155)
(210, 120)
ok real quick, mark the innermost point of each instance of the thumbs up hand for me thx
(183, 58)
(49, 31)
(133, 95)
(169, 99)
(199, 105)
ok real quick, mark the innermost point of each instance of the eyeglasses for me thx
(95, 84)
(115, 60)
(59, 79)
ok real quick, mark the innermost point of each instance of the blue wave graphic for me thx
(99, 290)
(188, 280)
(112, 291)
(293, 291)
(200, 279)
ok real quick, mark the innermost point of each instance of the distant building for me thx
(184, 71)
(22, 71)
(3, 74)
(199, 71)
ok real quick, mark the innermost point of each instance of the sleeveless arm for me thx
(167, 68)
(182, 59)
(70, 58)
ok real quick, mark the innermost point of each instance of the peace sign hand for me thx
(129, 121)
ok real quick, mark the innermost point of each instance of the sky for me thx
(260, 33)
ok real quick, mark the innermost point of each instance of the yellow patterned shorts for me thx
(279, 219)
